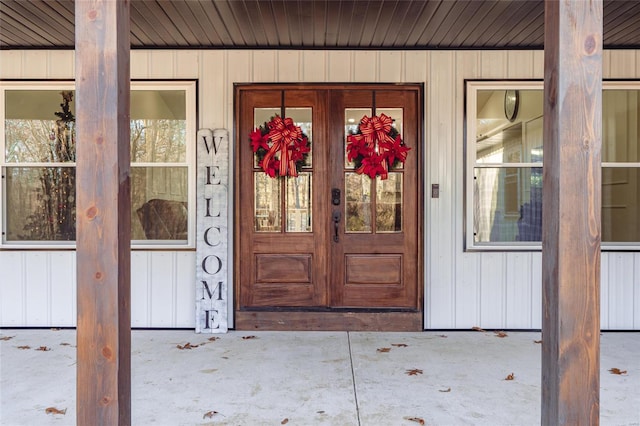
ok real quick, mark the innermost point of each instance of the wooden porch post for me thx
(571, 212)
(103, 212)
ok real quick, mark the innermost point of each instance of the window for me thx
(504, 165)
(38, 163)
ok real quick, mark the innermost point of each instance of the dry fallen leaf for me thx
(383, 349)
(478, 329)
(24, 347)
(43, 349)
(284, 421)
(65, 344)
(510, 377)
(617, 371)
(248, 337)
(501, 334)
(442, 335)
(7, 337)
(537, 341)
(186, 346)
(445, 390)
(209, 414)
(54, 410)
(414, 372)
(213, 339)
(415, 419)
(399, 345)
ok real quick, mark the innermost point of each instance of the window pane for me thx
(40, 204)
(620, 132)
(352, 117)
(159, 203)
(389, 203)
(358, 202)
(33, 131)
(508, 204)
(267, 203)
(261, 116)
(620, 204)
(158, 126)
(303, 117)
(299, 203)
(499, 140)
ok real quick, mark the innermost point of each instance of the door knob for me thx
(336, 225)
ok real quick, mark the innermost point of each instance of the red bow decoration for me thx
(376, 147)
(281, 147)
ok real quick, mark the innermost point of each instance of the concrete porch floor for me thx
(312, 378)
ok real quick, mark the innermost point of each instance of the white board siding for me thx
(462, 289)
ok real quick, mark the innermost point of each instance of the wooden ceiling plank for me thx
(247, 13)
(408, 22)
(307, 19)
(238, 30)
(344, 22)
(320, 14)
(377, 19)
(391, 21)
(140, 28)
(39, 23)
(203, 24)
(30, 38)
(290, 12)
(278, 9)
(533, 30)
(268, 23)
(177, 20)
(153, 25)
(444, 10)
(532, 15)
(224, 16)
(332, 23)
(619, 26)
(458, 13)
(490, 10)
(514, 9)
(430, 9)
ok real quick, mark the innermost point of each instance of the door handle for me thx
(335, 196)
(336, 225)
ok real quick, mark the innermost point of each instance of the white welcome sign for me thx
(212, 236)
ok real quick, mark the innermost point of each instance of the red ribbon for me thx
(284, 136)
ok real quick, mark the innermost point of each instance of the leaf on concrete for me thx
(414, 372)
(478, 329)
(65, 344)
(24, 347)
(7, 337)
(510, 377)
(617, 371)
(284, 421)
(415, 419)
(213, 339)
(384, 349)
(248, 337)
(209, 414)
(399, 345)
(54, 410)
(537, 341)
(43, 349)
(500, 334)
(444, 336)
(445, 390)
(187, 346)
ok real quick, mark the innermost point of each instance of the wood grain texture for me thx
(103, 213)
(571, 213)
(329, 321)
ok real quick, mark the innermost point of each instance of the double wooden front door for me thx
(329, 239)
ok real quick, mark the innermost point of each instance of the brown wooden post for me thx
(571, 212)
(103, 212)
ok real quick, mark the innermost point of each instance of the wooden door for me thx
(328, 240)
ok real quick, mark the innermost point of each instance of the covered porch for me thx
(304, 378)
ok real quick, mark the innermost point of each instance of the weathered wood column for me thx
(571, 212)
(103, 212)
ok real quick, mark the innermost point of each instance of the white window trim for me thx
(471, 89)
(189, 86)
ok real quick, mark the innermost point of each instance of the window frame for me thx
(470, 164)
(190, 89)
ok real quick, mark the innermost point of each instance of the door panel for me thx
(330, 238)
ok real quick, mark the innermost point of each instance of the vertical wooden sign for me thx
(212, 236)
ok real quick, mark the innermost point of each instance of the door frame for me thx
(336, 319)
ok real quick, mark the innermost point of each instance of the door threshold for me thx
(328, 321)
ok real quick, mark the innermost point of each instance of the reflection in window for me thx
(267, 203)
(358, 202)
(299, 203)
(39, 127)
(389, 203)
(508, 204)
